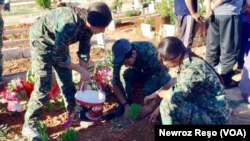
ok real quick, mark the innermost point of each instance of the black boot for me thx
(228, 82)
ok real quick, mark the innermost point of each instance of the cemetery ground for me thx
(117, 129)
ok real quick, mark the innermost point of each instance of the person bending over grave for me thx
(50, 38)
(197, 97)
(143, 68)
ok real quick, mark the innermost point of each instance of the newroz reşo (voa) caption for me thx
(201, 133)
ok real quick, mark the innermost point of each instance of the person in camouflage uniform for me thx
(1, 40)
(50, 38)
(198, 96)
(143, 67)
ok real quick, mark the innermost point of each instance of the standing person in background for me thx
(245, 34)
(7, 5)
(245, 81)
(223, 38)
(187, 16)
(1, 40)
(50, 38)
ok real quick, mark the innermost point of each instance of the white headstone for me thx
(151, 7)
(100, 40)
(111, 26)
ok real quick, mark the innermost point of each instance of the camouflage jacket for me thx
(146, 62)
(57, 30)
(198, 84)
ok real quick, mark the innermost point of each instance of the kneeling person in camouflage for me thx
(143, 67)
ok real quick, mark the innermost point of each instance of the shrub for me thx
(42, 129)
(148, 20)
(43, 3)
(165, 7)
(133, 112)
(131, 13)
(69, 135)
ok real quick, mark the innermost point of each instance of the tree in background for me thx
(43, 3)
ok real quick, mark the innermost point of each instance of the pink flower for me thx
(3, 100)
(14, 107)
(18, 84)
(13, 97)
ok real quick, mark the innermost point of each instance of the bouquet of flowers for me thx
(29, 85)
(102, 73)
(12, 95)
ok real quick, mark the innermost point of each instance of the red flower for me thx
(54, 91)
(28, 87)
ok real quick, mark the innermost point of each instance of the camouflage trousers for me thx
(149, 84)
(42, 65)
(1, 44)
(189, 113)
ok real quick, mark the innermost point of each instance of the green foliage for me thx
(146, 1)
(148, 20)
(43, 3)
(30, 77)
(117, 5)
(201, 8)
(59, 104)
(49, 106)
(133, 112)
(69, 135)
(42, 129)
(165, 8)
(131, 13)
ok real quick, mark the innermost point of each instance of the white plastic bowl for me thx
(90, 96)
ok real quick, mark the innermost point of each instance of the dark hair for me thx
(129, 54)
(80, 11)
(99, 14)
(171, 48)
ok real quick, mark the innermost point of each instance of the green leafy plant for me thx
(164, 8)
(69, 135)
(117, 5)
(42, 129)
(44, 3)
(131, 13)
(148, 20)
(133, 112)
(201, 8)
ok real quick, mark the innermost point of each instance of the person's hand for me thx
(154, 115)
(197, 17)
(85, 76)
(209, 13)
(149, 98)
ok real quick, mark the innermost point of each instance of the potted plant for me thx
(117, 5)
(165, 9)
(146, 26)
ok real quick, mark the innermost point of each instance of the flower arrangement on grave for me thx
(29, 85)
(12, 95)
(102, 74)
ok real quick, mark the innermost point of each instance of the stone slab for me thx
(12, 53)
